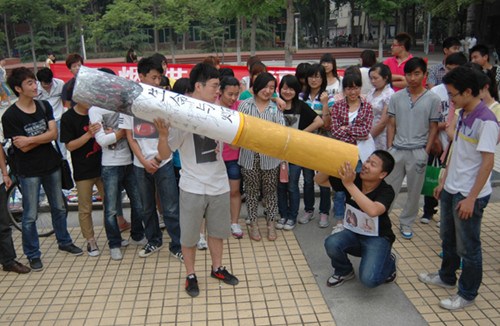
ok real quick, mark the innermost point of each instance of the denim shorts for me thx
(233, 170)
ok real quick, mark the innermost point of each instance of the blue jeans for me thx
(162, 181)
(115, 178)
(375, 252)
(31, 189)
(324, 194)
(461, 239)
(289, 194)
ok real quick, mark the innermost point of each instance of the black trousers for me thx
(7, 251)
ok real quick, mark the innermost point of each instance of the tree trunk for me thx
(7, 41)
(427, 33)
(238, 40)
(156, 37)
(471, 20)
(289, 33)
(66, 37)
(184, 38)
(253, 35)
(381, 36)
(33, 53)
(172, 44)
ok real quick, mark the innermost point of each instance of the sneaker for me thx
(222, 274)
(393, 276)
(192, 285)
(281, 223)
(425, 219)
(71, 249)
(336, 280)
(236, 231)
(202, 243)
(323, 220)
(434, 279)
(290, 225)
(178, 255)
(308, 217)
(148, 250)
(116, 254)
(455, 302)
(406, 232)
(141, 242)
(338, 228)
(124, 243)
(93, 252)
(125, 225)
(36, 264)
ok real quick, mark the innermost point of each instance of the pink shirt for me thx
(228, 153)
(396, 67)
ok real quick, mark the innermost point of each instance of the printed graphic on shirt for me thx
(359, 222)
(144, 129)
(292, 120)
(35, 128)
(96, 148)
(110, 122)
(205, 149)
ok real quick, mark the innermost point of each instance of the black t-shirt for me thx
(41, 160)
(86, 160)
(383, 194)
(300, 116)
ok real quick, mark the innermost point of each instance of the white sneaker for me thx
(455, 302)
(125, 243)
(337, 228)
(236, 231)
(202, 243)
(434, 279)
(116, 254)
(308, 217)
(141, 242)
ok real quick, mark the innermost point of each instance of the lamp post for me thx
(82, 41)
(297, 16)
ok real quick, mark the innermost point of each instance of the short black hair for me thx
(488, 79)
(383, 70)
(182, 86)
(482, 49)
(352, 77)
(368, 58)
(261, 82)
(147, 64)
(388, 161)
(226, 72)
(462, 78)
(292, 82)
(17, 76)
(201, 73)
(415, 63)
(45, 75)
(228, 81)
(73, 58)
(301, 70)
(450, 42)
(107, 70)
(159, 58)
(457, 59)
(164, 82)
(404, 39)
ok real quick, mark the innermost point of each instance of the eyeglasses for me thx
(454, 95)
(352, 89)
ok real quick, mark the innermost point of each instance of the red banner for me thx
(174, 71)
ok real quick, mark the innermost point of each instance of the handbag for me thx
(284, 172)
(431, 180)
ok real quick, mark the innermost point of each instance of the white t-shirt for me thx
(366, 86)
(53, 97)
(476, 133)
(335, 88)
(440, 90)
(203, 170)
(146, 135)
(114, 153)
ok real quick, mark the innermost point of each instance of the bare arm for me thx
(26, 144)
(391, 131)
(317, 123)
(164, 151)
(150, 165)
(83, 139)
(399, 81)
(378, 128)
(433, 130)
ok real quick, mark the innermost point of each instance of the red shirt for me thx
(396, 67)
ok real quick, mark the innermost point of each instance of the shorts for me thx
(233, 170)
(194, 207)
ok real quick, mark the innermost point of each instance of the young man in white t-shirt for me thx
(154, 171)
(464, 190)
(204, 186)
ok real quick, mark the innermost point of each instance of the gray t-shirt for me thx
(413, 119)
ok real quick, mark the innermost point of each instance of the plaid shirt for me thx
(359, 128)
(436, 74)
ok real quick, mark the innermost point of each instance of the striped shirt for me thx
(271, 113)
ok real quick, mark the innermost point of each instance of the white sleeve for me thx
(126, 122)
(103, 139)
(488, 137)
(176, 138)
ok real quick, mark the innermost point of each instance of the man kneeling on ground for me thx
(370, 198)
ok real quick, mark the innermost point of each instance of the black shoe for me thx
(336, 280)
(192, 285)
(222, 274)
(394, 275)
(36, 264)
(71, 249)
(17, 267)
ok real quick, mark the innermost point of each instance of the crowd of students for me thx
(192, 184)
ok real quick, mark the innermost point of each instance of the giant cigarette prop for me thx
(146, 102)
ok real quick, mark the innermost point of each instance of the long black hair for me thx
(313, 70)
(292, 82)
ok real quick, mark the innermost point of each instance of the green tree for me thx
(35, 14)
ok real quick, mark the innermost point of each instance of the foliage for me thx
(45, 42)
